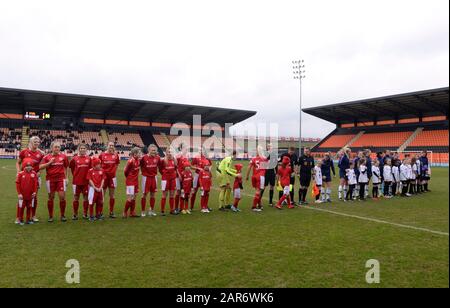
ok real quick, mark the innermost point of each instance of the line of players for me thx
(390, 176)
(92, 177)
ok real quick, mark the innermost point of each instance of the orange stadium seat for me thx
(431, 138)
(337, 141)
(392, 139)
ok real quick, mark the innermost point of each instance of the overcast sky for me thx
(230, 53)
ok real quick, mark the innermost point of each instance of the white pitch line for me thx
(366, 218)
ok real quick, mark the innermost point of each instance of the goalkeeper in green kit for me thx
(225, 174)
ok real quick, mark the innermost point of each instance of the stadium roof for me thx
(409, 105)
(87, 106)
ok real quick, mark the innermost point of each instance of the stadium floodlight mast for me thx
(299, 73)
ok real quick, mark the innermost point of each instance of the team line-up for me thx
(182, 179)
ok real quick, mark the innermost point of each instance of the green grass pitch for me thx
(289, 248)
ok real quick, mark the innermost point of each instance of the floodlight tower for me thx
(299, 73)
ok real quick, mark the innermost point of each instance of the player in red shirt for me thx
(205, 181)
(284, 175)
(36, 155)
(96, 177)
(26, 185)
(259, 165)
(186, 184)
(182, 158)
(237, 187)
(149, 169)
(198, 163)
(168, 170)
(132, 182)
(110, 161)
(79, 166)
(56, 165)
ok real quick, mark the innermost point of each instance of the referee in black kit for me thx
(306, 166)
(294, 159)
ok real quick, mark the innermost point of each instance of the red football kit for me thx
(56, 180)
(35, 156)
(97, 176)
(285, 175)
(132, 176)
(199, 163)
(110, 162)
(186, 185)
(80, 165)
(169, 174)
(168, 171)
(26, 185)
(149, 169)
(205, 181)
(259, 171)
(56, 172)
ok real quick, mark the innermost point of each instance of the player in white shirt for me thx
(363, 179)
(396, 184)
(351, 180)
(405, 176)
(376, 179)
(318, 181)
(387, 175)
(413, 177)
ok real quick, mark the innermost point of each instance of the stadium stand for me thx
(409, 122)
(73, 119)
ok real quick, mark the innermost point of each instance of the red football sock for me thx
(91, 210)
(76, 206)
(172, 204)
(99, 209)
(112, 202)
(289, 200)
(50, 206)
(62, 207)
(133, 208)
(193, 197)
(85, 207)
(163, 204)
(206, 200)
(143, 204)
(29, 213)
(127, 207)
(236, 202)
(20, 211)
(152, 203)
(281, 200)
(33, 209)
(177, 201)
(255, 201)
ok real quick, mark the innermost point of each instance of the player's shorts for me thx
(178, 183)
(270, 178)
(286, 190)
(237, 193)
(59, 186)
(168, 185)
(342, 174)
(195, 182)
(80, 190)
(132, 190)
(258, 182)
(305, 180)
(95, 196)
(149, 184)
(186, 192)
(110, 182)
(327, 178)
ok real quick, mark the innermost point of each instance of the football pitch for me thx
(315, 246)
